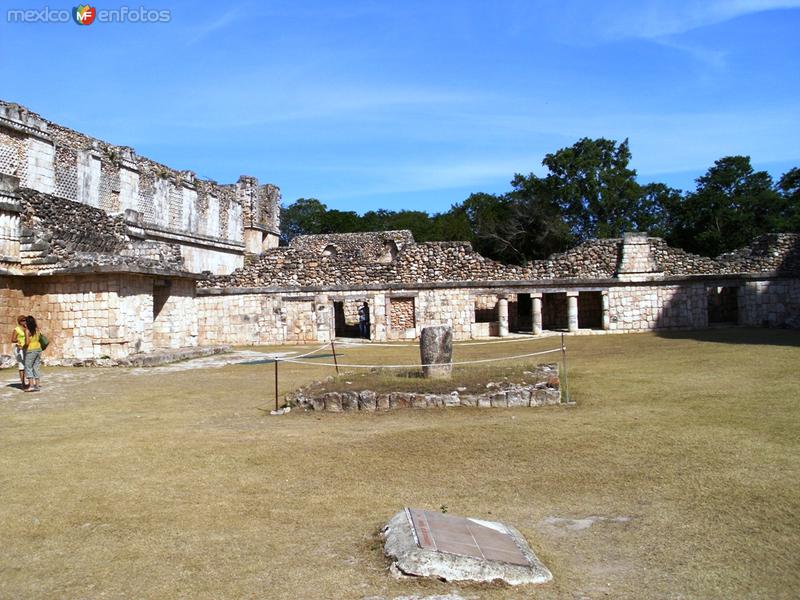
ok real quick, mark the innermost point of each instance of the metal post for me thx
(565, 383)
(276, 384)
(335, 362)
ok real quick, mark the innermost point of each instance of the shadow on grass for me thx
(737, 335)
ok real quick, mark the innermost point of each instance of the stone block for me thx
(382, 402)
(452, 399)
(349, 400)
(418, 401)
(468, 400)
(399, 400)
(367, 400)
(333, 402)
(498, 400)
(515, 398)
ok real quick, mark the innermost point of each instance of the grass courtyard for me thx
(677, 475)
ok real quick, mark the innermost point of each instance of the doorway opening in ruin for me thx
(345, 319)
(554, 311)
(723, 305)
(524, 314)
(590, 310)
(161, 289)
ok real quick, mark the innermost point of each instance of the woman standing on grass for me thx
(33, 355)
(20, 339)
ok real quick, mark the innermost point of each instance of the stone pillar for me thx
(606, 318)
(436, 351)
(536, 300)
(572, 311)
(502, 316)
(322, 308)
(253, 240)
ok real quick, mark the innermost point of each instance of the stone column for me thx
(502, 316)
(606, 318)
(436, 351)
(572, 311)
(536, 300)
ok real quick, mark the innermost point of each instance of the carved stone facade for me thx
(209, 222)
(108, 250)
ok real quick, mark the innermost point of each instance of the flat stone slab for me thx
(431, 544)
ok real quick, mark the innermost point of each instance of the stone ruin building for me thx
(116, 254)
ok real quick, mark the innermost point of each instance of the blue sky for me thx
(414, 105)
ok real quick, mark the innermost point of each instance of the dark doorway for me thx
(554, 311)
(343, 326)
(524, 320)
(723, 305)
(590, 310)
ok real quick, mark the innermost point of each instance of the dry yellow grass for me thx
(175, 485)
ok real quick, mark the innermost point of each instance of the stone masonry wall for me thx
(263, 319)
(88, 316)
(770, 303)
(175, 326)
(646, 307)
(12, 304)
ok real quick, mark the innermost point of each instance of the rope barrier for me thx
(503, 341)
(414, 366)
(304, 355)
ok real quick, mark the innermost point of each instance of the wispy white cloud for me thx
(218, 23)
(659, 18)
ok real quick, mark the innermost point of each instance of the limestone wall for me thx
(99, 315)
(175, 324)
(55, 160)
(92, 316)
(770, 303)
(645, 307)
(11, 306)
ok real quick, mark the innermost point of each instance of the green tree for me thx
(304, 216)
(731, 206)
(789, 188)
(340, 221)
(596, 190)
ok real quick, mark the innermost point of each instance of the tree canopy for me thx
(588, 191)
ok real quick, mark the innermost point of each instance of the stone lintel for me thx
(9, 206)
(114, 269)
(597, 285)
(150, 231)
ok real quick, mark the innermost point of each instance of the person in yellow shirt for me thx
(33, 355)
(20, 339)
